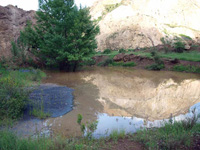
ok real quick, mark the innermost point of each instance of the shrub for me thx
(122, 50)
(107, 51)
(158, 65)
(179, 45)
(166, 42)
(13, 98)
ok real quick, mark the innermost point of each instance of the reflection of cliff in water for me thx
(150, 95)
(124, 92)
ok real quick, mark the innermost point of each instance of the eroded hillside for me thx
(141, 23)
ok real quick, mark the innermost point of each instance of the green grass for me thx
(171, 136)
(123, 64)
(116, 135)
(188, 56)
(182, 68)
(155, 67)
(39, 113)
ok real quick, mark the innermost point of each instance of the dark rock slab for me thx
(53, 99)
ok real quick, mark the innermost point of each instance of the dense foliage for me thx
(13, 92)
(63, 36)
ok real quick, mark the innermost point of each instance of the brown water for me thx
(118, 97)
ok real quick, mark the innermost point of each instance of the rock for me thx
(12, 20)
(174, 61)
(187, 47)
(119, 57)
(126, 58)
(141, 23)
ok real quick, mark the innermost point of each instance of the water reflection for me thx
(107, 124)
(119, 97)
(124, 92)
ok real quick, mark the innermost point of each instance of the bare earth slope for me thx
(141, 23)
(12, 20)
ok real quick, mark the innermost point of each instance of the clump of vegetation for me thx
(185, 37)
(127, 64)
(106, 62)
(166, 43)
(109, 8)
(173, 135)
(107, 51)
(39, 113)
(87, 129)
(13, 98)
(122, 50)
(13, 91)
(179, 45)
(158, 65)
(115, 135)
(188, 68)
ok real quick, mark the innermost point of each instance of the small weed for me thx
(39, 113)
(115, 135)
(87, 129)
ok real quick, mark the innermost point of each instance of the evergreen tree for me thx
(64, 34)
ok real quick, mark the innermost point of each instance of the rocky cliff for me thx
(141, 23)
(12, 20)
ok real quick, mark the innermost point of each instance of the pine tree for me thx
(64, 34)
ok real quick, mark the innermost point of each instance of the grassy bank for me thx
(179, 135)
(158, 57)
(14, 93)
(188, 56)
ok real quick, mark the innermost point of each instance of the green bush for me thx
(179, 45)
(158, 65)
(13, 98)
(122, 50)
(107, 51)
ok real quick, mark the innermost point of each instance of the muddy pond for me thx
(119, 99)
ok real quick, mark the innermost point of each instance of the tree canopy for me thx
(63, 36)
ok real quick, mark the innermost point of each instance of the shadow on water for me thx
(118, 98)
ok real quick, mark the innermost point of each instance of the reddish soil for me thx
(128, 144)
(124, 144)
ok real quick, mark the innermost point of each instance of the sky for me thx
(33, 4)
